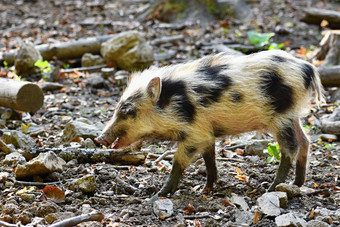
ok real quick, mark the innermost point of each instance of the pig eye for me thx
(128, 109)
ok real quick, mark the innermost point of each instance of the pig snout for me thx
(104, 140)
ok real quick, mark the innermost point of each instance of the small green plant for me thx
(16, 77)
(5, 64)
(66, 66)
(25, 128)
(44, 66)
(275, 46)
(155, 147)
(273, 151)
(330, 145)
(259, 39)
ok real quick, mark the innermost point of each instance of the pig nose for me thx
(102, 139)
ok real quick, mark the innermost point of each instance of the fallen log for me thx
(67, 50)
(316, 15)
(330, 76)
(20, 95)
(86, 155)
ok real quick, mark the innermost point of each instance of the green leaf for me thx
(259, 39)
(273, 150)
(5, 64)
(44, 66)
(275, 46)
(270, 159)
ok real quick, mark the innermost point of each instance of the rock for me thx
(107, 72)
(239, 201)
(317, 223)
(240, 7)
(128, 50)
(75, 129)
(43, 164)
(163, 208)
(269, 204)
(291, 189)
(88, 60)
(50, 86)
(328, 137)
(256, 147)
(96, 80)
(26, 57)
(18, 139)
(121, 78)
(45, 208)
(88, 143)
(289, 220)
(3, 176)
(86, 208)
(165, 56)
(323, 214)
(28, 197)
(244, 217)
(87, 183)
(14, 159)
(9, 208)
(283, 198)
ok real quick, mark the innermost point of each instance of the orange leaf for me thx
(53, 193)
(335, 188)
(189, 209)
(324, 23)
(242, 178)
(197, 223)
(206, 197)
(287, 43)
(256, 217)
(227, 203)
(238, 171)
(63, 89)
(312, 214)
(302, 51)
(239, 151)
(315, 185)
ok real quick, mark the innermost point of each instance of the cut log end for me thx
(30, 98)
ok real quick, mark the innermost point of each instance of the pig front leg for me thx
(182, 159)
(211, 170)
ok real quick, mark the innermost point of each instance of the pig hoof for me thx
(206, 190)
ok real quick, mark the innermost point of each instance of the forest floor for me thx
(58, 21)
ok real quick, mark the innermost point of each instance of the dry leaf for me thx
(256, 217)
(189, 209)
(227, 203)
(335, 188)
(197, 223)
(53, 193)
(302, 51)
(324, 23)
(312, 214)
(315, 185)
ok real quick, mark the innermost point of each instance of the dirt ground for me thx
(126, 202)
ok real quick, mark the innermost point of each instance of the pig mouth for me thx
(117, 143)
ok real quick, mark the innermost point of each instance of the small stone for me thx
(18, 139)
(86, 208)
(75, 129)
(88, 60)
(46, 208)
(3, 176)
(96, 80)
(43, 164)
(128, 50)
(244, 217)
(317, 223)
(89, 143)
(269, 204)
(289, 220)
(87, 183)
(329, 137)
(256, 147)
(28, 197)
(282, 197)
(14, 159)
(163, 208)
(9, 208)
(239, 201)
(25, 59)
(291, 189)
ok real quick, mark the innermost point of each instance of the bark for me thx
(67, 50)
(315, 16)
(330, 76)
(20, 95)
(86, 155)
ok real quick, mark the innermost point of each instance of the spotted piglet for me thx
(195, 102)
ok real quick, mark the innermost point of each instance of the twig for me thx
(6, 224)
(197, 216)
(125, 185)
(94, 216)
(229, 159)
(90, 68)
(28, 183)
(234, 147)
(163, 156)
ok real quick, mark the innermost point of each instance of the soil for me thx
(55, 20)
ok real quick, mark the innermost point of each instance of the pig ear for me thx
(154, 89)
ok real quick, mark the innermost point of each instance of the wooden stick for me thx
(330, 76)
(20, 95)
(94, 216)
(66, 50)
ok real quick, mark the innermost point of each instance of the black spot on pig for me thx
(236, 97)
(280, 94)
(127, 109)
(191, 150)
(278, 59)
(288, 138)
(210, 93)
(308, 74)
(174, 92)
(135, 97)
(182, 136)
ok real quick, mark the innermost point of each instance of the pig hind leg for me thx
(301, 161)
(287, 137)
(211, 170)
